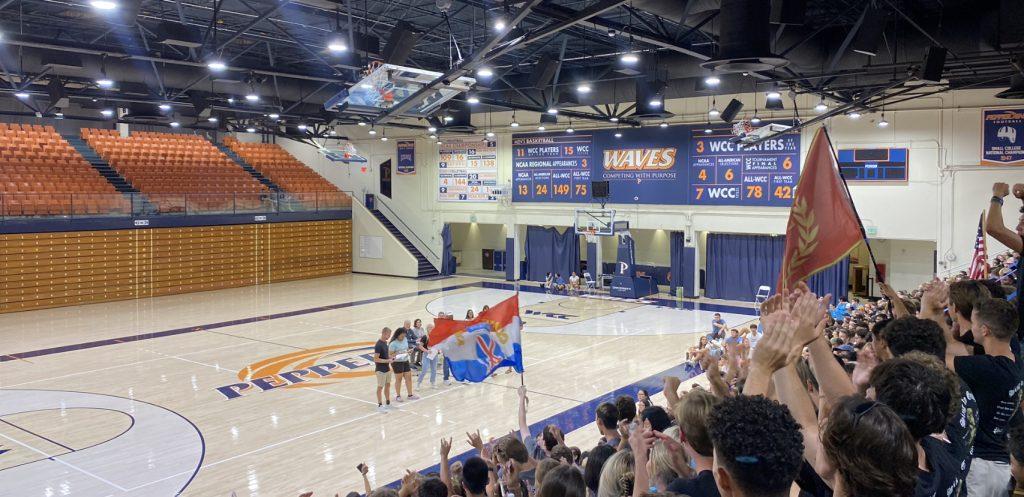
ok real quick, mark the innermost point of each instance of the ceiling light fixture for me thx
(21, 94)
(165, 106)
(485, 72)
(713, 112)
(439, 142)
(430, 129)
(252, 97)
(303, 127)
(231, 100)
(712, 80)
(103, 4)
(104, 82)
(490, 134)
(107, 112)
(273, 115)
(821, 107)
(655, 101)
(337, 45)
(618, 134)
(175, 124)
(212, 119)
(613, 119)
(332, 132)
(755, 119)
(383, 138)
(514, 124)
(570, 130)
(499, 24)
(629, 58)
(542, 128)
(773, 95)
(883, 123)
(433, 137)
(552, 110)
(853, 115)
(448, 118)
(583, 88)
(707, 130)
(663, 125)
(215, 64)
(472, 98)
(250, 130)
(372, 131)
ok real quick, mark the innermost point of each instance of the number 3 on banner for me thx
(700, 146)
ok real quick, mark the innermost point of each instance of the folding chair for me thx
(591, 284)
(763, 292)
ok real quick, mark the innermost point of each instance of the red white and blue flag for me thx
(979, 263)
(474, 349)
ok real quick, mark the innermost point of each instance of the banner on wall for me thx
(406, 157)
(468, 171)
(1002, 134)
(385, 178)
(676, 165)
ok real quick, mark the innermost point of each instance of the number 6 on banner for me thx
(788, 163)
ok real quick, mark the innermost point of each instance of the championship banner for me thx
(406, 157)
(1002, 131)
(675, 165)
(468, 171)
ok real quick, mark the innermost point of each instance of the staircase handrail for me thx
(405, 228)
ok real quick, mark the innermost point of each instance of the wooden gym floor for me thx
(169, 395)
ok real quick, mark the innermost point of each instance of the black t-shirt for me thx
(963, 428)
(811, 485)
(996, 384)
(944, 477)
(702, 485)
(1020, 298)
(381, 350)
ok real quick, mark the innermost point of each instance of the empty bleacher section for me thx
(179, 172)
(70, 268)
(288, 173)
(42, 175)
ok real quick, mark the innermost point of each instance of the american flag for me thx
(979, 263)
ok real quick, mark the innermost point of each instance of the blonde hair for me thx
(617, 475)
(661, 459)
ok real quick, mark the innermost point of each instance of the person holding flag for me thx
(475, 348)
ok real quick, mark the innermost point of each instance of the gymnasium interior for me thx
(199, 198)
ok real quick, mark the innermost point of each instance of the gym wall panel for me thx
(70, 268)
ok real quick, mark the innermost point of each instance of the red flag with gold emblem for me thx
(823, 225)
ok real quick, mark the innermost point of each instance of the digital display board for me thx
(873, 164)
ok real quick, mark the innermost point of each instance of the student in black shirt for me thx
(995, 379)
(382, 366)
(925, 395)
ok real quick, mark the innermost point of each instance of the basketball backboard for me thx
(595, 222)
(386, 85)
(345, 152)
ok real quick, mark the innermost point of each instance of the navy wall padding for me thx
(738, 264)
(677, 244)
(592, 262)
(547, 250)
(447, 260)
(510, 269)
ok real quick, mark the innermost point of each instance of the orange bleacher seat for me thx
(286, 171)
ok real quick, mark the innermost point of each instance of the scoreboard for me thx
(726, 173)
(675, 165)
(551, 168)
(873, 164)
(467, 171)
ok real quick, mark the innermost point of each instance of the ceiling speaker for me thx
(400, 43)
(934, 63)
(731, 110)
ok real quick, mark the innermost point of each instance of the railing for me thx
(16, 206)
(406, 230)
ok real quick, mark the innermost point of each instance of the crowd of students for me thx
(915, 394)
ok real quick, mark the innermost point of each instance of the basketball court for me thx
(153, 421)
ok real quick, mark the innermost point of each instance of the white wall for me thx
(397, 261)
(939, 204)
(472, 238)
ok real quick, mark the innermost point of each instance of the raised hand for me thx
(935, 296)
(810, 314)
(866, 362)
(1000, 189)
(1018, 191)
(446, 448)
(775, 347)
(475, 441)
(771, 305)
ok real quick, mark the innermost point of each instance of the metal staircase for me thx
(424, 267)
(248, 168)
(141, 205)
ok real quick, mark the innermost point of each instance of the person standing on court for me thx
(382, 363)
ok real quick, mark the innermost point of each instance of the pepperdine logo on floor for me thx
(304, 368)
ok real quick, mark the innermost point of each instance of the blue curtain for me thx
(738, 264)
(547, 250)
(677, 242)
(447, 261)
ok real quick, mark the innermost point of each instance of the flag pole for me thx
(853, 205)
